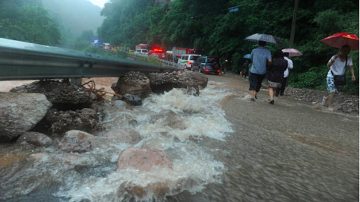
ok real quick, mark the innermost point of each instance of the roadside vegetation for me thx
(207, 25)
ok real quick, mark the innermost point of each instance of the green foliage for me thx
(207, 24)
(27, 21)
(313, 78)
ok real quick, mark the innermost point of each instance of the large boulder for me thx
(20, 112)
(76, 141)
(58, 122)
(63, 95)
(35, 138)
(143, 159)
(133, 83)
(162, 82)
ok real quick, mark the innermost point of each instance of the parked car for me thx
(187, 60)
(142, 52)
(207, 65)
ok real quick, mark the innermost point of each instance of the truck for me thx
(142, 49)
(178, 52)
(157, 51)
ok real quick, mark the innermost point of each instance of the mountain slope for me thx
(74, 17)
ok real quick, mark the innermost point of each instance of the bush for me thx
(314, 78)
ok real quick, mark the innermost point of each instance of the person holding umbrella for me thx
(288, 52)
(336, 74)
(339, 63)
(260, 58)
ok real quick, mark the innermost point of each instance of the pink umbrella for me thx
(292, 52)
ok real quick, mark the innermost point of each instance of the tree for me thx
(27, 21)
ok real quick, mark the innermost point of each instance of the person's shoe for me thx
(271, 102)
(323, 101)
(255, 96)
(252, 99)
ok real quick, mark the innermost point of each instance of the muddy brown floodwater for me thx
(289, 151)
(285, 152)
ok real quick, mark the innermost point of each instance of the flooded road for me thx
(224, 148)
(285, 152)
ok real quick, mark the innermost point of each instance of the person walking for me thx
(260, 57)
(275, 73)
(336, 76)
(284, 81)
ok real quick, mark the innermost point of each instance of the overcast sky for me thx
(99, 3)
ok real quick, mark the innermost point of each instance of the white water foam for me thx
(166, 122)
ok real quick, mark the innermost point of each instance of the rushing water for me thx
(173, 122)
(223, 148)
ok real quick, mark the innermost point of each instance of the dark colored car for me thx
(207, 65)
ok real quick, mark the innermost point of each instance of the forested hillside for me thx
(74, 18)
(208, 25)
(27, 20)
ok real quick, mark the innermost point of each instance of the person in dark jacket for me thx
(275, 73)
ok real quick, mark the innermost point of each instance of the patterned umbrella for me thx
(261, 37)
(292, 52)
(342, 38)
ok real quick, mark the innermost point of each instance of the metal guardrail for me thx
(21, 60)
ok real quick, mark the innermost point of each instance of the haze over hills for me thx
(74, 17)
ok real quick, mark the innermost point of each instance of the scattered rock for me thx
(63, 95)
(20, 112)
(36, 139)
(134, 83)
(58, 122)
(162, 82)
(76, 141)
(342, 102)
(143, 159)
(132, 100)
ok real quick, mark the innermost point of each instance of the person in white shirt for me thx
(286, 74)
(336, 74)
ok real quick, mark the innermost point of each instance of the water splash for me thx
(169, 122)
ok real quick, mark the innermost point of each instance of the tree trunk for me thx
(293, 25)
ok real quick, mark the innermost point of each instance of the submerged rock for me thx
(133, 83)
(143, 159)
(36, 139)
(63, 95)
(132, 100)
(20, 112)
(119, 104)
(157, 190)
(123, 136)
(170, 119)
(76, 141)
(162, 82)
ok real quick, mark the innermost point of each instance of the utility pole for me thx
(293, 24)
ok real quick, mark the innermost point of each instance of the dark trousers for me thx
(284, 83)
(255, 81)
